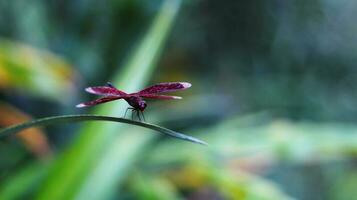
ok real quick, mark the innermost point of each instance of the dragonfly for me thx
(136, 99)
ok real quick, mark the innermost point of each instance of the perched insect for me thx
(136, 100)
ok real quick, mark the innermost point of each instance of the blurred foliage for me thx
(34, 72)
(274, 94)
(23, 184)
(33, 138)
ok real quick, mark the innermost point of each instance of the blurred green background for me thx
(274, 94)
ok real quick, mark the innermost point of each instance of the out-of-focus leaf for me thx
(205, 180)
(218, 180)
(78, 118)
(344, 187)
(23, 181)
(269, 142)
(34, 139)
(152, 187)
(35, 72)
(243, 145)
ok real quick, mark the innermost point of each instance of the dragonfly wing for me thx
(98, 101)
(156, 96)
(165, 87)
(105, 90)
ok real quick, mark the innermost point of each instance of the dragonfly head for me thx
(142, 105)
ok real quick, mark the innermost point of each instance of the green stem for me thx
(79, 118)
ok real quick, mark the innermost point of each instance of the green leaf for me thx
(145, 186)
(79, 118)
(23, 181)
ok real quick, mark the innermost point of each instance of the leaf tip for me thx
(201, 142)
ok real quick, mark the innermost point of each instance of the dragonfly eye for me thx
(142, 105)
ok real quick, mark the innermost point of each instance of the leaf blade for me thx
(80, 118)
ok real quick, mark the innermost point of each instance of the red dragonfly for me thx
(136, 100)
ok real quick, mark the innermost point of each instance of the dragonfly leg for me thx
(142, 114)
(132, 114)
(128, 108)
(138, 115)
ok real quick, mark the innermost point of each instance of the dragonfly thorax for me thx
(136, 102)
